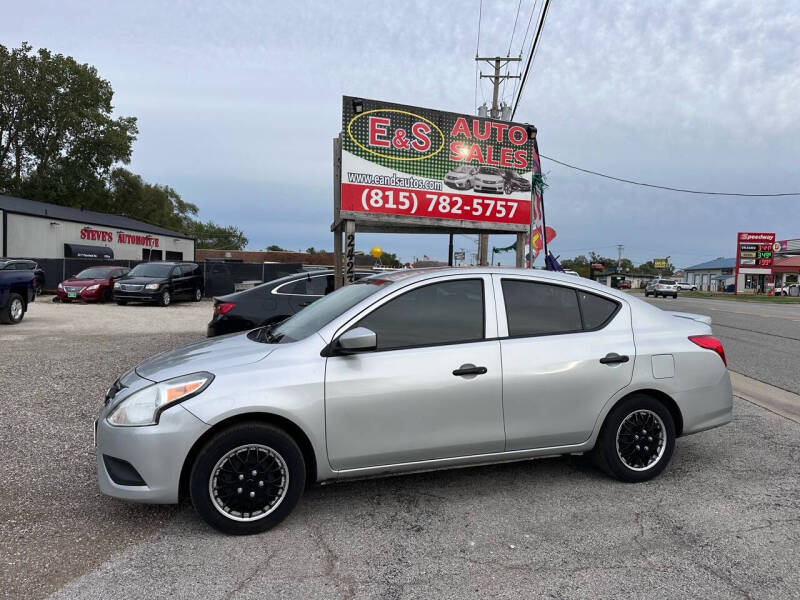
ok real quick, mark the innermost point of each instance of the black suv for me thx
(160, 282)
(20, 264)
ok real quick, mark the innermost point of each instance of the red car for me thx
(94, 284)
(624, 285)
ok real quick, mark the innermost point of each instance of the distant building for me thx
(39, 230)
(614, 278)
(712, 275)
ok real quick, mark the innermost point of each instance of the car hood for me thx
(82, 282)
(492, 178)
(457, 176)
(208, 355)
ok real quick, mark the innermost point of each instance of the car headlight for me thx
(92, 288)
(151, 286)
(116, 285)
(145, 406)
(61, 287)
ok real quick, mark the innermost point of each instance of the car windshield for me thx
(488, 171)
(150, 270)
(3, 264)
(463, 169)
(94, 273)
(323, 311)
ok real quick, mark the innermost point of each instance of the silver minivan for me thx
(409, 371)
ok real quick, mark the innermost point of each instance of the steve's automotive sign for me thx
(409, 161)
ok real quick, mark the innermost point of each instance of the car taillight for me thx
(709, 342)
(223, 308)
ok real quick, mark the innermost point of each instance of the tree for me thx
(276, 248)
(211, 235)
(60, 143)
(58, 139)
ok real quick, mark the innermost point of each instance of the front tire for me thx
(197, 295)
(637, 439)
(13, 311)
(247, 478)
(165, 298)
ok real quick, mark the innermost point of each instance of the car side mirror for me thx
(356, 340)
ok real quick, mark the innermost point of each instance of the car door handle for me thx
(613, 358)
(469, 370)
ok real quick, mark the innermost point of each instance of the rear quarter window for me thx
(596, 310)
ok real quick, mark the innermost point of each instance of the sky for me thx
(238, 103)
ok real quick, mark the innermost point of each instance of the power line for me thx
(522, 46)
(669, 189)
(534, 46)
(511, 43)
(477, 49)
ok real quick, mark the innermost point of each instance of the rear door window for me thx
(534, 308)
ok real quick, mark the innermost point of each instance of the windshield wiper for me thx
(265, 335)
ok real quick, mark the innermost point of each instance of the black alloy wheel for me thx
(247, 478)
(165, 298)
(197, 295)
(637, 439)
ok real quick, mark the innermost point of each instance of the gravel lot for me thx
(723, 521)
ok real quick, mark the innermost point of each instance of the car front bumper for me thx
(86, 296)
(489, 187)
(459, 185)
(141, 296)
(156, 452)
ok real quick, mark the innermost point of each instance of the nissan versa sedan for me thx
(409, 371)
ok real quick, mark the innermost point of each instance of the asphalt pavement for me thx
(761, 340)
(723, 521)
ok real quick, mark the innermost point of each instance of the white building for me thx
(33, 229)
(711, 276)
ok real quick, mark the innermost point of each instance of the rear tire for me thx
(674, 296)
(637, 439)
(250, 460)
(13, 311)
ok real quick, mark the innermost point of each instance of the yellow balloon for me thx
(376, 251)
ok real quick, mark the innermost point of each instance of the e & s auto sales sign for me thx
(410, 161)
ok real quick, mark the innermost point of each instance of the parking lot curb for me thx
(774, 399)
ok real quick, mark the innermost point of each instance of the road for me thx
(721, 521)
(761, 340)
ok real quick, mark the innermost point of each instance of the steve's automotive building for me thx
(33, 229)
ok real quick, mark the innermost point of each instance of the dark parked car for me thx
(94, 284)
(21, 264)
(270, 302)
(516, 182)
(17, 290)
(160, 282)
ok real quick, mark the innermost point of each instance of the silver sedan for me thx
(411, 371)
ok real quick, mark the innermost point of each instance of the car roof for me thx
(413, 275)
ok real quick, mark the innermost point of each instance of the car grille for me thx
(72, 288)
(129, 287)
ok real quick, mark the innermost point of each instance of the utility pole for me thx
(620, 248)
(498, 62)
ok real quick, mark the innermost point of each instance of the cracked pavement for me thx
(723, 521)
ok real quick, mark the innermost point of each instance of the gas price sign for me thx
(416, 162)
(755, 251)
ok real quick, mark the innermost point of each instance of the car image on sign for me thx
(406, 371)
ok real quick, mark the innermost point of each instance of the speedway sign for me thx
(407, 161)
